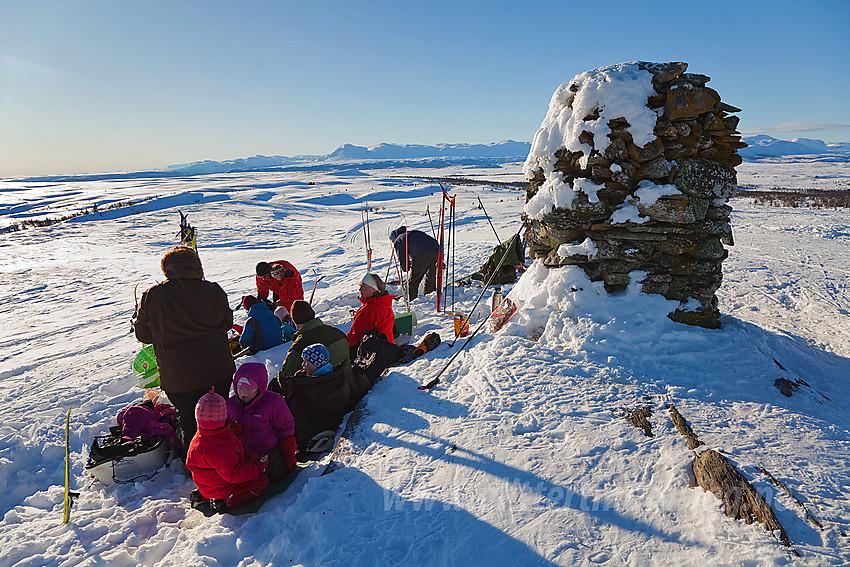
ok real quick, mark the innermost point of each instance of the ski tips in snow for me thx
(69, 496)
(188, 235)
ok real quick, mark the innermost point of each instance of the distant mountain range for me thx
(759, 146)
(762, 145)
(412, 155)
(508, 149)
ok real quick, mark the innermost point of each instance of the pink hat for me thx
(211, 411)
(281, 313)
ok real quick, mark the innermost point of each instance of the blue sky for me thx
(91, 86)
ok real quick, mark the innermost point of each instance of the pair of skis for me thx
(367, 235)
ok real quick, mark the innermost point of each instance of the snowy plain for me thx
(520, 456)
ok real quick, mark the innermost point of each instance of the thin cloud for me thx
(13, 66)
(796, 127)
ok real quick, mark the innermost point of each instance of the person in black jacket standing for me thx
(423, 252)
(187, 318)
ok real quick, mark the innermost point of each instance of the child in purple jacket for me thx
(267, 424)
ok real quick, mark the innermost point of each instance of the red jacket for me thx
(375, 313)
(287, 289)
(221, 469)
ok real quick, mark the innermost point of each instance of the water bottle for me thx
(497, 298)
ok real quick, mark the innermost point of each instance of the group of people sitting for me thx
(238, 444)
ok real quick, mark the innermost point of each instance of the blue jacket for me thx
(262, 330)
(416, 242)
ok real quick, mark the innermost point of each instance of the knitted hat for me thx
(301, 312)
(211, 411)
(374, 281)
(249, 301)
(316, 354)
(397, 232)
(263, 268)
(281, 313)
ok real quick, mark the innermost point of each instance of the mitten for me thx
(264, 463)
(288, 448)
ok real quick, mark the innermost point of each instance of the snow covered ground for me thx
(520, 456)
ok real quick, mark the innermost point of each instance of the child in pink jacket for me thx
(268, 427)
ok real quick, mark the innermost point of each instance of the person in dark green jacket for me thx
(311, 330)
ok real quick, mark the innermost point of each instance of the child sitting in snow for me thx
(287, 327)
(320, 395)
(262, 329)
(267, 424)
(223, 471)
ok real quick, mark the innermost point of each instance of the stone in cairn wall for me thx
(656, 204)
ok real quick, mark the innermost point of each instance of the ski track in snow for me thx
(520, 456)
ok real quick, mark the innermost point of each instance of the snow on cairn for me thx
(639, 158)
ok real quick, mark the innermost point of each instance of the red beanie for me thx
(211, 411)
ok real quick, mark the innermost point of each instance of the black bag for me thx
(374, 354)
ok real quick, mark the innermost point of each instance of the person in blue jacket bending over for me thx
(422, 252)
(262, 330)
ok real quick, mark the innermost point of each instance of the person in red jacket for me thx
(376, 313)
(222, 470)
(282, 280)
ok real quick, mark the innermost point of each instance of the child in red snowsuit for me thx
(220, 466)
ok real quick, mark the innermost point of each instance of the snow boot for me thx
(196, 498)
(429, 343)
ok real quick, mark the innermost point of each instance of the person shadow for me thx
(347, 518)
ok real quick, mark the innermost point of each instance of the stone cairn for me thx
(680, 246)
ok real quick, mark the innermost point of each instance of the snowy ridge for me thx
(762, 145)
(506, 149)
(520, 456)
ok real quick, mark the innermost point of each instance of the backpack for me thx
(144, 441)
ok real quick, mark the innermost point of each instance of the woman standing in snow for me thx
(187, 318)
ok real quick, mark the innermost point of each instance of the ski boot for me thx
(429, 343)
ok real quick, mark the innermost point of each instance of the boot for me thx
(429, 343)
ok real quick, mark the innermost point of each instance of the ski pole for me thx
(447, 259)
(245, 350)
(433, 231)
(490, 279)
(312, 293)
(436, 379)
(390, 264)
(407, 264)
(454, 243)
(441, 256)
(480, 204)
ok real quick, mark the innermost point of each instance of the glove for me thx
(264, 463)
(287, 448)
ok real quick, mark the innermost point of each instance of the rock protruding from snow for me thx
(638, 158)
